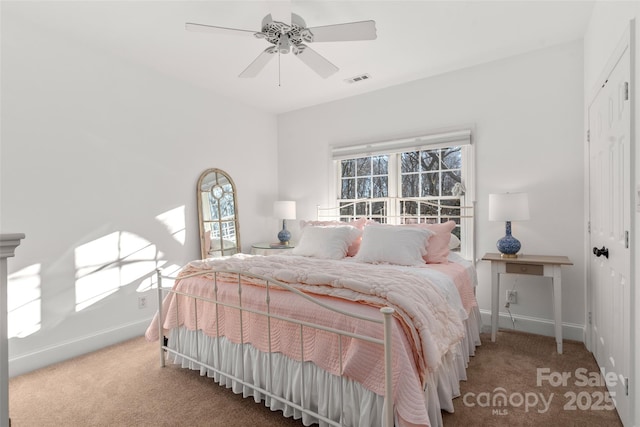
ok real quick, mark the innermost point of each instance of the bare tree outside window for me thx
(364, 178)
(430, 173)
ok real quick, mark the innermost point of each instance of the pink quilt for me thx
(431, 326)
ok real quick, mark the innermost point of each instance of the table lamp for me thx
(508, 207)
(285, 210)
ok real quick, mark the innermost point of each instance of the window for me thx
(430, 172)
(426, 179)
(364, 178)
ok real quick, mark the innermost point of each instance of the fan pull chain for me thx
(279, 85)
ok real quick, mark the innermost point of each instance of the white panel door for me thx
(610, 213)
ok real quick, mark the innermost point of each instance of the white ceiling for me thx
(416, 39)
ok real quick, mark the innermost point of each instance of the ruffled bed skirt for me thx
(359, 406)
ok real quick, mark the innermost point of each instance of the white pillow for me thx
(454, 242)
(393, 244)
(329, 242)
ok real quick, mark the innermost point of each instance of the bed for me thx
(362, 324)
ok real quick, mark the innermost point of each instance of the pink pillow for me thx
(438, 244)
(352, 250)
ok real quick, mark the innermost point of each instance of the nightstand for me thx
(534, 265)
(269, 249)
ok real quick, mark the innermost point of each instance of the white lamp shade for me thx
(509, 207)
(284, 209)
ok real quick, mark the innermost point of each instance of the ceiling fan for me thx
(291, 36)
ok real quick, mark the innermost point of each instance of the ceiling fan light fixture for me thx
(306, 35)
(284, 45)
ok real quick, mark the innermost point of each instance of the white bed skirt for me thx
(360, 407)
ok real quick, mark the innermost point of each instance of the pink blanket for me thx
(461, 279)
(431, 326)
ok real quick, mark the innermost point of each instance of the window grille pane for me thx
(451, 213)
(364, 166)
(429, 160)
(410, 185)
(380, 186)
(346, 209)
(380, 165)
(348, 168)
(410, 161)
(429, 209)
(449, 179)
(409, 208)
(452, 157)
(364, 188)
(348, 189)
(430, 184)
(362, 209)
(379, 208)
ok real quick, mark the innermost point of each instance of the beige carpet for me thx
(512, 363)
(123, 385)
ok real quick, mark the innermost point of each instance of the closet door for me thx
(610, 214)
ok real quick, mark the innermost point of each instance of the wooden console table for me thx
(536, 265)
(8, 244)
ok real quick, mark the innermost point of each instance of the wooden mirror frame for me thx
(217, 214)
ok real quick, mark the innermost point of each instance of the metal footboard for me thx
(385, 321)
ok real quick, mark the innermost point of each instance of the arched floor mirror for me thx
(218, 214)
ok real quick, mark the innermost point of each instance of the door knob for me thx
(598, 252)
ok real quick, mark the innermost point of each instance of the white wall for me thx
(93, 145)
(527, 118)
(609, 21)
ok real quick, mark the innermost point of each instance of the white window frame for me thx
(456, 137)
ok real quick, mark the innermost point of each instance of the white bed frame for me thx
(465, 215)
(385, 322)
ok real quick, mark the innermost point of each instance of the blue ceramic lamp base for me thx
(284, 235)
(508, 245)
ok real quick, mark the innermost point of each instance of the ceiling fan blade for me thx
(315, 61)
(218, 30)
(362, 30)
(297, 20)
(259, 63)
(266, 20)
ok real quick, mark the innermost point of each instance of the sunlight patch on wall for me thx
(24, 302)
(151, 282)
(175, 222)
(105, 265)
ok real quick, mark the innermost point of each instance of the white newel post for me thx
(8, 244)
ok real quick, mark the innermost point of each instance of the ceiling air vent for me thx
(360, 78)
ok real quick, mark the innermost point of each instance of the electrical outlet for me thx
(142, 302)
(512, 296)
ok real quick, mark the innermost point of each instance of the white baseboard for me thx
(25, 363)
(533, 325)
